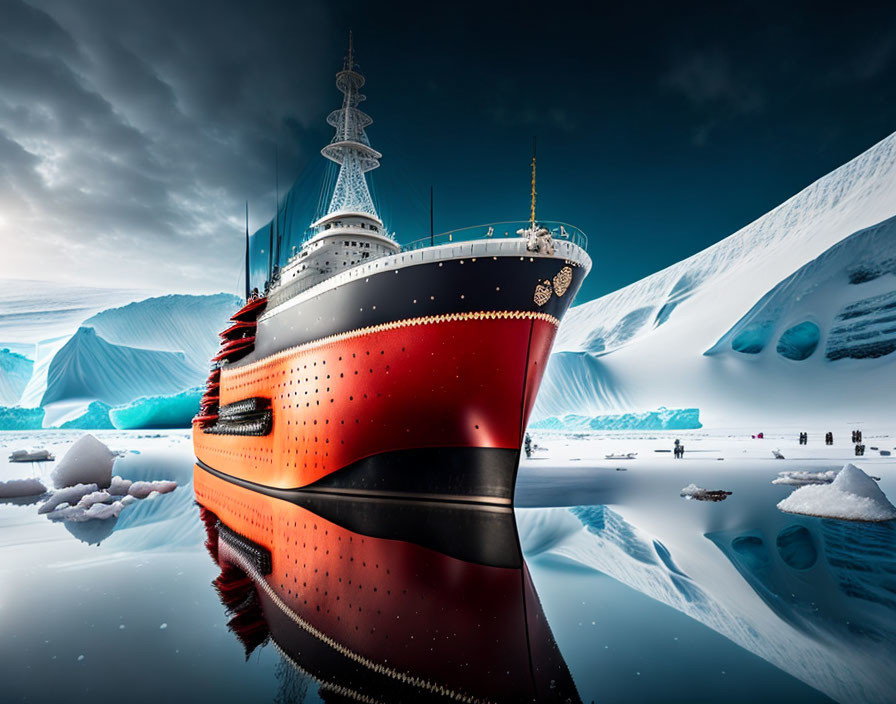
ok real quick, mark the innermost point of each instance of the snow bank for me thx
(87, 460)
(852, 496)
(662, 419)
(70, 495)
(16, 488)
(158, 411)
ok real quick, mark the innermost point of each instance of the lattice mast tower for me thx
(350, 147)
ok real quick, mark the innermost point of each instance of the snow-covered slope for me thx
(828, 247)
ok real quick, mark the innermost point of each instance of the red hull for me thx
(461, 381)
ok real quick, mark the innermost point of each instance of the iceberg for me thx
(86, 461)
(661, 419)
(177, 323)
(89, 367)
(16, 418)
(94, 417)
(158, 411)
(15, 371)
(852, 496)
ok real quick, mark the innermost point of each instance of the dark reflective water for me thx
(643, 598)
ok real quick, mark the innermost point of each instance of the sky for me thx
(132, 135)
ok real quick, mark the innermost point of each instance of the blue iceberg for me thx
(158, 411)
(17, 418)
(95, 417)
(660, 419)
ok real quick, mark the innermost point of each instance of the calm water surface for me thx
(606, 586)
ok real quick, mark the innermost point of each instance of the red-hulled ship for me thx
(368, 368)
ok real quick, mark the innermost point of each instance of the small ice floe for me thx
(622, 456)
(803, 478)
(85, 502)
(777, 454)
(851, 496)
(80, 514)
(86, 461)
(70, 495)
(142, 490)
(696, 493)
(18, 488)
(31, 456)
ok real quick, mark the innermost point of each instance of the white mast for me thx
(350, 147)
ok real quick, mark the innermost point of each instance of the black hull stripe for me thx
(434, 289)
(299, 494)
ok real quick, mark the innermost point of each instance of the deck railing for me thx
(499, 230)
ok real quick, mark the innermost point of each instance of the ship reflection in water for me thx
(371, 600)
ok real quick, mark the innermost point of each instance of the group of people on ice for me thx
(678, 450)
(829, 440)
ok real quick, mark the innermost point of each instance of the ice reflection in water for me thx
(816, 598)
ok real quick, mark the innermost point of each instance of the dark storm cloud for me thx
(131, 133)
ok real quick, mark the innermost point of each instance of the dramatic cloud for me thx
(132, 133)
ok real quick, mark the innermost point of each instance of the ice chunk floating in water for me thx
(852, 496)
(17, 488)
(87, 461)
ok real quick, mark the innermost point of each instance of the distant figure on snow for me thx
(829, 438)
(528, 445)
(676, 451)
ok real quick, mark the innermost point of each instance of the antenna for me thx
(533, 184)
(277, 199)
(351, 52)
(248, 284)
(431, 230)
